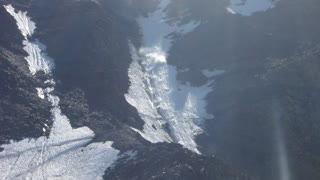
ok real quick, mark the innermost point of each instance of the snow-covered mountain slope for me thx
(172, 111)
(67, 152)
(265, 98)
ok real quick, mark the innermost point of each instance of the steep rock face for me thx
(270, 82)
(297, 82)
(170, 162)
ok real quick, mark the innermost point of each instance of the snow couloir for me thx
(172, 111)
(67, 153)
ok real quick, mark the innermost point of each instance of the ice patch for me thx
(248, 7)
(172, 112)
(67, 153)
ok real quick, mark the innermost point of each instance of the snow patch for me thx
(138, 96)
(50, 82)
(172, 111)
(40, 92)
(37, 58)
(63, 156)
(248, 7)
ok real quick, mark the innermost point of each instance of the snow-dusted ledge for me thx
(172, 111)
(67, 153)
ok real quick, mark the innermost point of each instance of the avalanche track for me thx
(172, 111)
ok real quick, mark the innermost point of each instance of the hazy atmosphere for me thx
(160, 89)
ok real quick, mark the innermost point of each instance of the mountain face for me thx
(159, 89)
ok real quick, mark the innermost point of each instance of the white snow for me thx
(248, 7)
(40, 92)
(37, 59)
(50, 82)
(67, 153)
(61, 156)
(24, 23)
(139, 97)
(172, 112)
